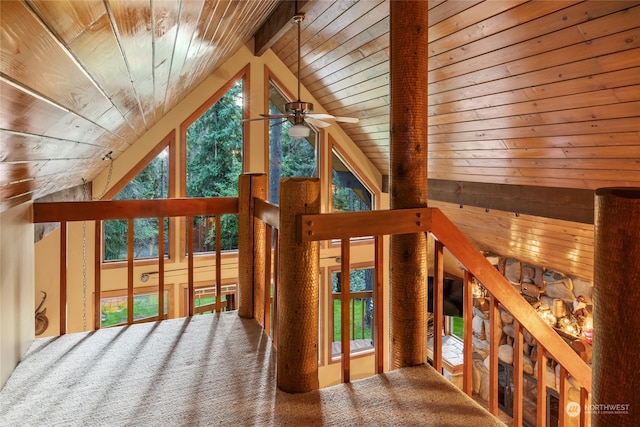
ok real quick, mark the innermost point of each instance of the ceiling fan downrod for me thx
(298, 106)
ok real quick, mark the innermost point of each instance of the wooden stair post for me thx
(408, 166)
(616, 278)
(251, 247)
(298, 291)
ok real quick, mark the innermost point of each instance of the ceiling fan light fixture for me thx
(299, 131)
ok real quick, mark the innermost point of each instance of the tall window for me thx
(347, 191)
(214, 163)
(150, 183)
(288, 156)
(360, 311)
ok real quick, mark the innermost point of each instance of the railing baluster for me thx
(467, 367)
(345, 298)
(189, 231)
(276, 282)
(541, 378)
(130, 248)
(362, 317)
(584, 396)
(378, 312)
(266, 321)
(518, 377)
(494, 316)
(97, 268)
(161, 268)
(438, 280)
(352, 315)
(219, 268)
(63, 277)
(564, 397)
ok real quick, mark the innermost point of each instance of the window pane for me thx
(288, 156)
(214, 163)
(114, 309)
(204, 233)
(145, 238)
(360, 311)
(348, 193)
(150, 183)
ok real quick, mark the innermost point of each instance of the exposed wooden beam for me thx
(277, 24)
(567, 204)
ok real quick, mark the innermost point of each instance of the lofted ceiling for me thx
(532, 104)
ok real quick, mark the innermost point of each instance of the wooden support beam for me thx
(277, 24)
(569, 204)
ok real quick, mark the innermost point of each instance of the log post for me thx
(251, 251)
(298, 291)
(408, 253)
(615, 399)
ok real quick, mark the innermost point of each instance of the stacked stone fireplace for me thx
(564, 302)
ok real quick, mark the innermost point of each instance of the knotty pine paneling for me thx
(555, 244)
(80, 79)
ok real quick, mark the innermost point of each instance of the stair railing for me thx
(344, 226)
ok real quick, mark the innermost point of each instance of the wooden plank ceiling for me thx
(522, 94)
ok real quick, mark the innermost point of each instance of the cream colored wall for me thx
(255, 148)
(17, 299)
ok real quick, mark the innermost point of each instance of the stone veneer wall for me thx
(547, 291)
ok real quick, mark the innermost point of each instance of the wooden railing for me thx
(427, 220)
(98, 211)
(343, 227)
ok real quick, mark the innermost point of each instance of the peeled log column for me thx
(616, 346)
(408, 253)
(298, 291)
(251, 250)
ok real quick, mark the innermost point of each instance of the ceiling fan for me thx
(300, 112)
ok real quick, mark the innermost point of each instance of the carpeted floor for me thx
(208, 370)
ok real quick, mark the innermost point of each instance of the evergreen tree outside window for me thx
(288, 156)
(151, 183)
(214, 163)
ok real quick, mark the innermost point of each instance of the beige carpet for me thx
(208, 370)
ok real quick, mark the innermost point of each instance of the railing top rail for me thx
(124, 209)
(344, 225)
(267, 212)
(400, 221)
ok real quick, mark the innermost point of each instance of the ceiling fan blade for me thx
(254, 119)
(268, 117)
(276, 116)
(347, 119)
(315, 122)
(320, 116)
(323, 116)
